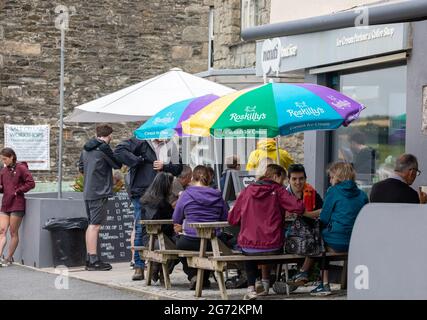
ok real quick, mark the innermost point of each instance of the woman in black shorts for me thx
(15, 181)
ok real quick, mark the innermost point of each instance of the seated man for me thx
(299, 187)
(397, 188)
(180, 183)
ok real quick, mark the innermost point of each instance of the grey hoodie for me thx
(96, 163)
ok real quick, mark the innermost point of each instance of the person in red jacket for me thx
(15, 181)
(260, 210)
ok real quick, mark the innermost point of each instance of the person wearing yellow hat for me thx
(267, 148)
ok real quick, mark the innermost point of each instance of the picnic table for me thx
(223, 255)
(166, 246)
(207, 232)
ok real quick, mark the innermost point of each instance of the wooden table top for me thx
(215, 224)
(154, 222)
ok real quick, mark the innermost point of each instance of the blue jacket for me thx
(341, 206)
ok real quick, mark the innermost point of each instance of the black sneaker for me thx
(98, 266)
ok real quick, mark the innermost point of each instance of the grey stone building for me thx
(109, 45)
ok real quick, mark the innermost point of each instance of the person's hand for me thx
(291, 215)
(423, 197)
(177, 228)
(158, 165)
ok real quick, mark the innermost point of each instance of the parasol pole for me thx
(277, 151)
(217, 165)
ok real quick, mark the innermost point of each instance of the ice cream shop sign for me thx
(273, 53)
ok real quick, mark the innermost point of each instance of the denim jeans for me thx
(138, 232)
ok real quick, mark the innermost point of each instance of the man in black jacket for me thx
(397, 188)
(96, 163)
(145, 158)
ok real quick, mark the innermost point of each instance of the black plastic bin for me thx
(68, 241)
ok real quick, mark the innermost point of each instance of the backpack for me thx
(303, 237)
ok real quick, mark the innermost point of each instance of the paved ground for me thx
(116, 284)
(22, 283)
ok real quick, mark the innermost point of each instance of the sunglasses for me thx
(418, 171)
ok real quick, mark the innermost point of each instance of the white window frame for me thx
(249, 13)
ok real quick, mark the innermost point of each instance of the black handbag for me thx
(304, 238)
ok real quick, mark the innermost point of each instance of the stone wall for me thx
(110, 45)
(230, 52)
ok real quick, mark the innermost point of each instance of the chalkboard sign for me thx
(235, 182)
(114, 236)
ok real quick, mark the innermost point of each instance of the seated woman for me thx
(155, 206)
(343, 202)
(198, 203)
(260, 210)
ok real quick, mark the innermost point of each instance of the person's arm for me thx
(312, 214)
(289, 202)
(235, 214)
(81, 163)
(252, 161)
(328, 207)
(224, 213)
(1, 181)
(178, 214)
(125, 153)
(28, 182)
(319, 202)
(286, 158)
(109, 156)
(175, 165)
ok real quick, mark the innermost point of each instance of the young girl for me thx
(15, 181)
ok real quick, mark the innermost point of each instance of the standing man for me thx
(397, 188)
(96, 163)
(363, 156)
(268, 148)
(145, 158)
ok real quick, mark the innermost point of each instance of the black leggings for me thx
(191, 244)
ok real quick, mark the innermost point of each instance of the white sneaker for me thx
(5, 263)
(258, 287)
(251, 295)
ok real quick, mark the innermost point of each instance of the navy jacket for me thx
(139, 157)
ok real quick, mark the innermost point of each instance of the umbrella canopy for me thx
(143, 100)
(167, 122)
(273, 109)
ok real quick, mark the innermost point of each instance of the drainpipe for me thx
(412, 10)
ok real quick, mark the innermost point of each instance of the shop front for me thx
(379, 66)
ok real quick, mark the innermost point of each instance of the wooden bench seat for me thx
(288, 257)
